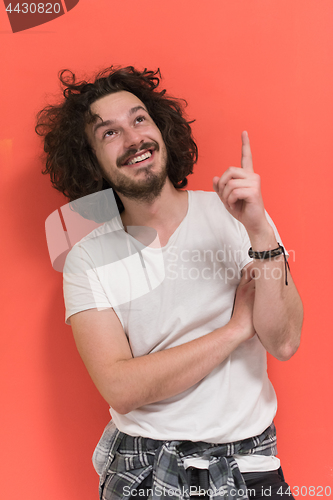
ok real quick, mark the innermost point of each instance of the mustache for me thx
(133, 151)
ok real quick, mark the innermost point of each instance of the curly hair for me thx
(71, 161)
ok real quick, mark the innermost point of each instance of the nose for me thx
(132, 138)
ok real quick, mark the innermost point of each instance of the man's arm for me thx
(278, 310)
(127, 383)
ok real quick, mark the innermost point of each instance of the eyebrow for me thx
(108, 123)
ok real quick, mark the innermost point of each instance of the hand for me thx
(242, 315)
(240, 191)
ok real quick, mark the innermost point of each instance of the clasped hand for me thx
(242, 316)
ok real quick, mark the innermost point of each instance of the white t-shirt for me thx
(167, 296)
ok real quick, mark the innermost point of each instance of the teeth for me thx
(139, 158)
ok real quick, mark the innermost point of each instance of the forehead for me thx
(113, 106)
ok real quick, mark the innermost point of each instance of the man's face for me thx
(129, 146)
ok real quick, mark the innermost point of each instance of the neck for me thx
(168, 208)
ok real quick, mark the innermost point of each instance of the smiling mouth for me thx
(139, 158)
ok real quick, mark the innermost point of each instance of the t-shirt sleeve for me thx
(246, 244)
(82, 287)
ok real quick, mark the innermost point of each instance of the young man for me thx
(183, 366)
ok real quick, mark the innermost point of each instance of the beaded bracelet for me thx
(270, 254)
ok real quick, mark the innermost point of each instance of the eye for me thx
(140, 119)
(108, 133)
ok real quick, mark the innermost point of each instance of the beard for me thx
(144, 190)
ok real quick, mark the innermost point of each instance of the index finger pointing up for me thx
(246, 161)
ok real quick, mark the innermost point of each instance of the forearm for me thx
(278, 311)
(139, 381)
(128, 382)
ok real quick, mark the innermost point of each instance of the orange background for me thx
(260, 65)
